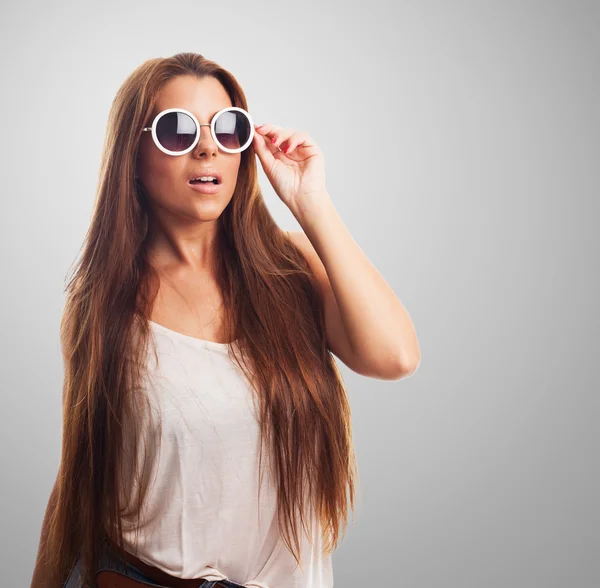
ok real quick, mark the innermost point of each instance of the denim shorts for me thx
(111, 563)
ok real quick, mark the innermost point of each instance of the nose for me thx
(206, 143)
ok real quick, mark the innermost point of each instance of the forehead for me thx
(202, 97)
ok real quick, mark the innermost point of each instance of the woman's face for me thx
(165, 177)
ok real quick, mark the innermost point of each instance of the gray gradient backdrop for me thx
(461, 144)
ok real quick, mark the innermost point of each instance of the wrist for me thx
(311, 204)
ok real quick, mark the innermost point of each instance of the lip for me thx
(206, 188)
(205, 172)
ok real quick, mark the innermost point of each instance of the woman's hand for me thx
(297, 170)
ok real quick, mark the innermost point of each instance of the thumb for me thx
(262, 150)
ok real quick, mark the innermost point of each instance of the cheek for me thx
(151, 165)
(160, 178)
(164, 170)
(234, 169)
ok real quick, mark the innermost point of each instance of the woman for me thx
(224, 456)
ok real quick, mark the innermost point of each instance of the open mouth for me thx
(205, 186)
(215, 182)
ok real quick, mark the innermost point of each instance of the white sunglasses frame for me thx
(198, 125)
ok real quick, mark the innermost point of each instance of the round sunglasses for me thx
(176, 131)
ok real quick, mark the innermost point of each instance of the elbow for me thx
(403, 367)
(382, 367)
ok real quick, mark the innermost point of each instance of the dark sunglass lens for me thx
(232, 129)
(176, 131)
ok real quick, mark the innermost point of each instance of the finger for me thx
(294, 141)
(276, 138)
(267, 129)
(266, 133)
(282, 135)
(263, 151)
(275, 134)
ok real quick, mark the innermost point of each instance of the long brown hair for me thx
(273, 309)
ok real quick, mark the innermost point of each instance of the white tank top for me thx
(203, 517)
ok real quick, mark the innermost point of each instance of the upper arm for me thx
(337, 339)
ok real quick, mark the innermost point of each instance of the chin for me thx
(207, 211)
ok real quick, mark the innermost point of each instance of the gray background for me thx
(462, 148)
